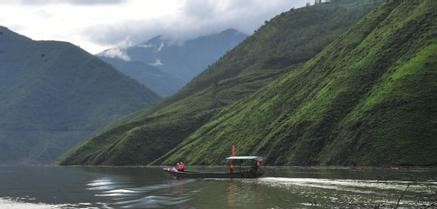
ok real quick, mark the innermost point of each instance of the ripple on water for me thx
(139, 197)
(117, 193)
(153, 201)
(167, 185)
(101, 184)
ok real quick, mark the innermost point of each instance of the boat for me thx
(240, 171)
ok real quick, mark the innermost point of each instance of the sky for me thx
(96, 25)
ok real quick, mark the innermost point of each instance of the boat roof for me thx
(244, 158)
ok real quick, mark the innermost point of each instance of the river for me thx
(51, 187)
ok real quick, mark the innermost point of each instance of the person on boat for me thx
(182, 164)
(256, 166)
(231, 167)
(178, 166)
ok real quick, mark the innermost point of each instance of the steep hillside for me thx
(150, 76)
(369, 98)
(280, 46)
(54, 94)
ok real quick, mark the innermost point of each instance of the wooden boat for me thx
(252, 172)
(191, 174)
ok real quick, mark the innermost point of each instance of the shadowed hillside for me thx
(150, 76)
(54, 94)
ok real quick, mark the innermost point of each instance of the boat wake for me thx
(16, 204)
(21, 203)
(367, 193)
(349, 185)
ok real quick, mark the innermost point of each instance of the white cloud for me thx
(116, 53)
(73, 2)
(156, 63)
(113, 22)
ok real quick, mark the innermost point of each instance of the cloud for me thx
(193, 18)
(156, 63)
(116, 53)
(201, 8)
(127, 22)
(72, 2)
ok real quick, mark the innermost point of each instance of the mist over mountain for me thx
(165, 66)
(54, 94)
(150, 76)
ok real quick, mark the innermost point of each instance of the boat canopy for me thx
(244, 158)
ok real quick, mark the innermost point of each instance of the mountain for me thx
(150, 76)
(178, 63)
(282, 45)
(54, 94)
(369, 98)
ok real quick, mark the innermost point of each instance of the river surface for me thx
(284, 187)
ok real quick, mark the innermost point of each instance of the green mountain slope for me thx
(54, 94)
(369, 98)
(280, 46)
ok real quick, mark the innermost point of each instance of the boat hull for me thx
(190, 174)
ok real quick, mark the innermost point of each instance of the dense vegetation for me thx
(369, 98)
(53, 94)
(279, 47)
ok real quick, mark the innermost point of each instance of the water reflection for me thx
(93, 187)
(232, 192)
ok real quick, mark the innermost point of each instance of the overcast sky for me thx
(96, 25)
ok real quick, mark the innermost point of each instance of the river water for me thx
(283, 187)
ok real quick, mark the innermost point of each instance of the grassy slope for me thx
(54, 94)
(281, 45)
(369, 98)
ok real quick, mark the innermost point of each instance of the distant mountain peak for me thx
(160, 41)
(182, 60)
(7, 34)
(5, 29)
(156, 39)
(233, 32)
